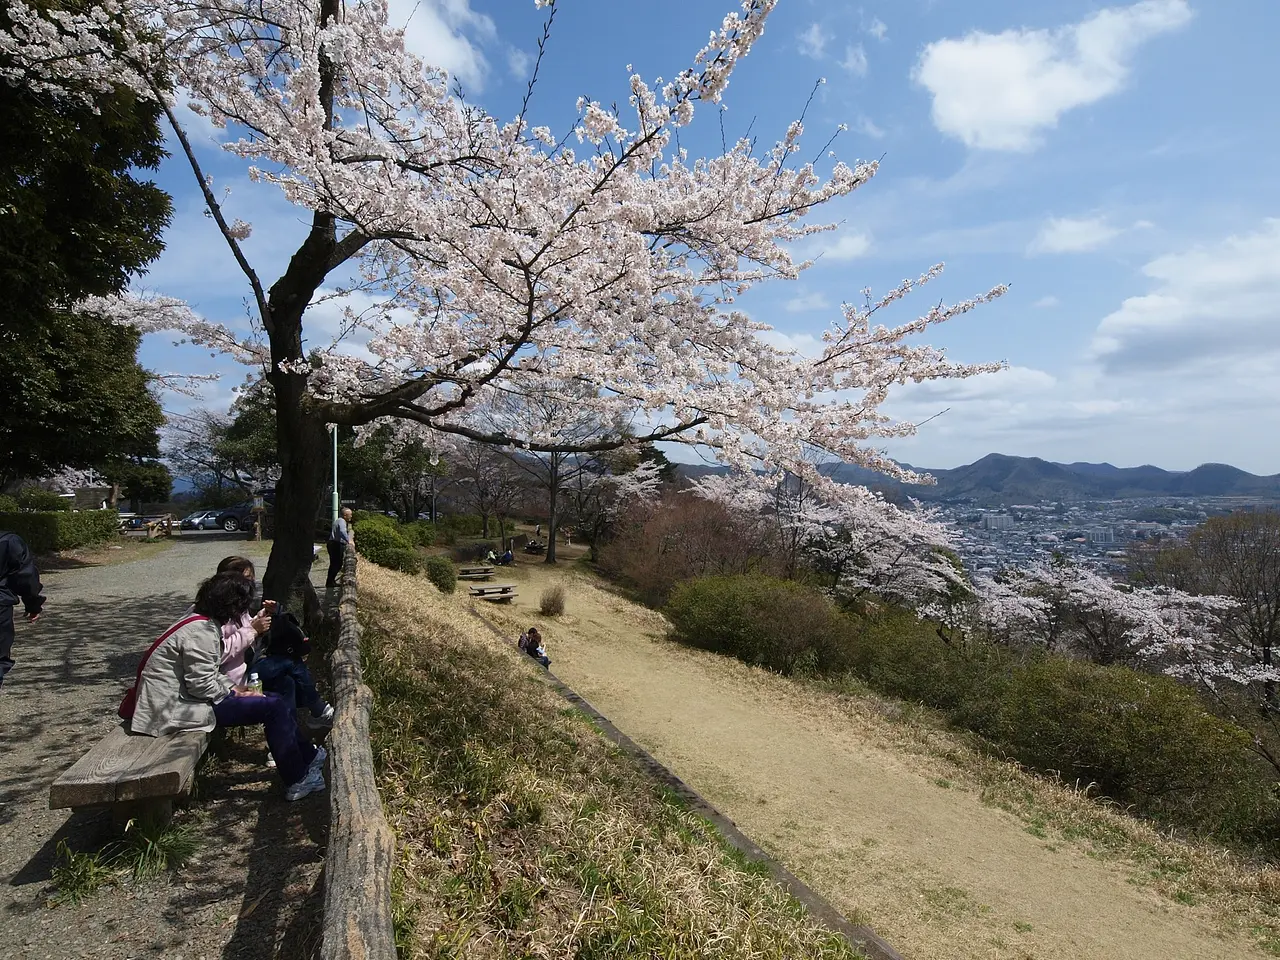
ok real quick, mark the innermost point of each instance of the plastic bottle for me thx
(254, 685)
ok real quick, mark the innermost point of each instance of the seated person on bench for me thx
(181, 688)
(531, 643)
(272, 647)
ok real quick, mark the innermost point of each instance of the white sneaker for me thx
(327, 715)
(313, 782)
(317, 762)
(271, 761)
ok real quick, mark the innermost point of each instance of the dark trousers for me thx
(6, 640)
(337, 551)
(292, 751)
(291, 680)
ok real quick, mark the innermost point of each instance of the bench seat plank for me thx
(122, 767)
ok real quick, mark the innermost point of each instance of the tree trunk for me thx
(304, 462)
(553, 495)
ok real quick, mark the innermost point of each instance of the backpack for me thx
(285, 638)
(130, 702)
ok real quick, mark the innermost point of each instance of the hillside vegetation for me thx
(522, 832)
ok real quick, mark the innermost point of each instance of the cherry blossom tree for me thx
(868, 546)
(475, 255)
(1067, 608)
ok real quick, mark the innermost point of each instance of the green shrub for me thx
(777, 624)
(378, 541)
(1142, 740)
(421, 532)
(441, 572)
(46, 532)
(463, 524)
(8, 504)
(404, 559)
(45, 501)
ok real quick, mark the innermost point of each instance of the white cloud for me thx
(868, 128)
(1047, 302)
(878, 29)
(804, 344)
(855, 60)
(446, 34)
(1000, 91)
(846, 246)
(1213, 307)
(806, 302)
(519, 62)
(813, 42)
(1068, 235)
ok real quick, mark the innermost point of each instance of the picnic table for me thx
(497, 592)
(475, 572)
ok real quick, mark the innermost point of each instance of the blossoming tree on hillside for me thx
(477, 254)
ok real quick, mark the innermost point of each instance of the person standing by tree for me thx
(19, 580)
(339, 537)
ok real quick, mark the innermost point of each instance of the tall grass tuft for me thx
(551, 603)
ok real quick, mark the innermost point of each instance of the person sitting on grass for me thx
(507, 559)
(491, 557)
(180, 688)
(531, 643)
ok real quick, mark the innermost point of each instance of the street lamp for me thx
(336, 503)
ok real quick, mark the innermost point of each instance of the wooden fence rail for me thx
(357, 869)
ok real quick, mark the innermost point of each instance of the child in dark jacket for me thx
(283, 671)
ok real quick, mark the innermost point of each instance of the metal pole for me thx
(336, 502)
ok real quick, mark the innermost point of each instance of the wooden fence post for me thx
(361, 854)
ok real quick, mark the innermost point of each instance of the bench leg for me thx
(156, 812)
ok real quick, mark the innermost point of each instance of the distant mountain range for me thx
(1000, 479)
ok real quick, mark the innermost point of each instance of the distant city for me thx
(1012, 510)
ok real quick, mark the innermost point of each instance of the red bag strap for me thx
(193, 618)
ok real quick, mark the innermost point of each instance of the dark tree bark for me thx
(553, 495)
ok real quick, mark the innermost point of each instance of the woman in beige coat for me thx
(181, 688)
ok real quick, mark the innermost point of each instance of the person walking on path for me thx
(339, 537)
(19, 580)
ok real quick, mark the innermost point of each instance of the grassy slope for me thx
(523, 832)
(610, 650)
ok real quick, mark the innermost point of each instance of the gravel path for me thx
(253, 889)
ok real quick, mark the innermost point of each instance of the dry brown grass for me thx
(897, 819)
(551, 603)
(522, 832)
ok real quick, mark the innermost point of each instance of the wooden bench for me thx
(467, 571)
(475, 576)
(497, 592)
(137, 776)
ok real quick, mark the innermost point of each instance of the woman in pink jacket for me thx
(239, 635)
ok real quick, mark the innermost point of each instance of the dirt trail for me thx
(927, 865)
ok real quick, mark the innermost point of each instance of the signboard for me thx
(258, 504)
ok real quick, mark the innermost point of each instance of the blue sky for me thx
(1114, 164)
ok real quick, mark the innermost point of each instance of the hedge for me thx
(441, 572)
(1142, 740)
(378, 541)
(62, 530)
(777, 624)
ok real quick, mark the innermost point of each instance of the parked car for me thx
(200, 520)
(235, 518)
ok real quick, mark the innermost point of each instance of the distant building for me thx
(1102, 535)
(997, 521)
